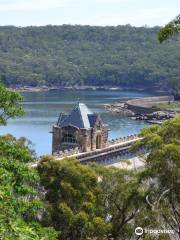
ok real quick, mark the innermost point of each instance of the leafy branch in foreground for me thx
(10, 105)
(170, 30)
(21, 208)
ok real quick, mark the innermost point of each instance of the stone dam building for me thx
(81, 129)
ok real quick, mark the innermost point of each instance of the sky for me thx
(88, 12)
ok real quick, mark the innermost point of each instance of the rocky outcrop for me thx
(120, 108)
(155, 117)
(142, 109)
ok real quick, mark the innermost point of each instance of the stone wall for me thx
(56, 139)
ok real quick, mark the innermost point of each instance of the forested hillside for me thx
(82, 55)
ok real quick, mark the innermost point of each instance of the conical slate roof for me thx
(81, 117)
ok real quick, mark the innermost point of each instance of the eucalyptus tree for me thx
(162, 174)
(21, 208)
(74, 197)
(123, 200)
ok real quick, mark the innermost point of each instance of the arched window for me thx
(69, 138)
(98, 142)
(98, 127)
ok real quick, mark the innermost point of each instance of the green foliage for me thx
(20, 204)
(124, 199)
(82, 55)
(162, 173)
(88, 202)
(167, 106)
(74, 198)
(9, 105)
(170, 30)
(91, 202)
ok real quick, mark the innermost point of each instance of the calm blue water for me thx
(42, 110)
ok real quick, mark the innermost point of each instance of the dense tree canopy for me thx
(74, 198)
(91, 202)
(75, 55)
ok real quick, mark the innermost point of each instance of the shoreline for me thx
(83, 88)
(142, 109)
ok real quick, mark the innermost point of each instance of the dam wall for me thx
(144, 105)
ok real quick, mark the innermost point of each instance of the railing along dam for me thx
(117, 150)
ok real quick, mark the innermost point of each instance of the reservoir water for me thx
(43, 108)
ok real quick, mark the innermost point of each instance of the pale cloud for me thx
(92, 12)
(32, 5)
(113, 1)
(157, 15)
(140, 17)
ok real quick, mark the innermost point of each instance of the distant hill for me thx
(82, 55)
